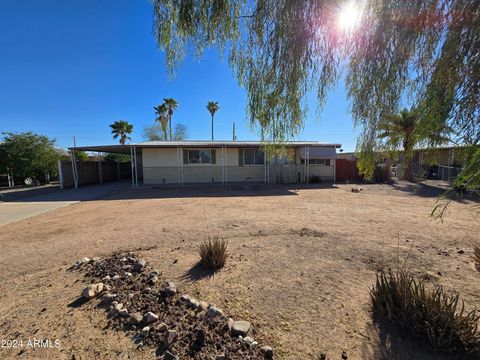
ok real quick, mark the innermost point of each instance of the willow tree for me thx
(424, 51)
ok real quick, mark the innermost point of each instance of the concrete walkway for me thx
(30, 206)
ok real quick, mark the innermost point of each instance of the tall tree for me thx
(161, 112)
(284, 49)
(171, 105)
(154, 133)
(180, 132)
(401, 131)
(157, 133)
(24, 155)
(121, 129)
(212, 108)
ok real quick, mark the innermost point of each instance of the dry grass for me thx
(431, 314)
(213, 253)
(476, 252)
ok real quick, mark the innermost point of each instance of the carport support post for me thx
(136, 172)
(224, 156)
(131, 164)
(74, 169)
(178, 167)
(265, 167)
(100, 175)
(181, 166)
(60, 174)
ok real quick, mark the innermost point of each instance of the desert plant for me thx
(431, 314)
(476, 257)
(213, 253)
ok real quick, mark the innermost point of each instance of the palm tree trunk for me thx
(170, 126)
(408, 154)
(212, 127)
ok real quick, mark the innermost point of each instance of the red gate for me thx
(346, 170)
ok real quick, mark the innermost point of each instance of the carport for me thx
(75, 173)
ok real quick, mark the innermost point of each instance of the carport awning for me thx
(119, 149)
(322, 152)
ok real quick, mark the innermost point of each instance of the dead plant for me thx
(431, 314)
(213, 253)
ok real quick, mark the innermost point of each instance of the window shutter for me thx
(185, 156)
(240, 157)
(213, 156)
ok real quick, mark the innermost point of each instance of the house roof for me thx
(196, 143)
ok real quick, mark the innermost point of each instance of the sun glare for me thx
(349, 16)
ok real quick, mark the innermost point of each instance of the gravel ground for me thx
(301, 264)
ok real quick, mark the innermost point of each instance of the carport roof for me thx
(125, 149)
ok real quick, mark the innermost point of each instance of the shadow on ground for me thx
(78, 302)
(121, 190)
(393, 344)
(197, 272)
(433, 189)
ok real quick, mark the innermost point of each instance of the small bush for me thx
(431, 314)
(213, 253)
(476, 257)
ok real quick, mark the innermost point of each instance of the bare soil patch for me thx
(302, 262)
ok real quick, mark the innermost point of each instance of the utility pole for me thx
(234, 134)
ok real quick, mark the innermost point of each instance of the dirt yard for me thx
(300, 269)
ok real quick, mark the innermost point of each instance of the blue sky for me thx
(73, 67)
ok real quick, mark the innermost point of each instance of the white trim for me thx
(60, 175)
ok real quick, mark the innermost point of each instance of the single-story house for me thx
(182, 162)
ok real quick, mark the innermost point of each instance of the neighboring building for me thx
(181, 162)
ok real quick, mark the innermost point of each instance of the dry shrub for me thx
(430, 314)
(476, 257)
(213, 253)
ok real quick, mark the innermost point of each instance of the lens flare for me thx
(349, 16)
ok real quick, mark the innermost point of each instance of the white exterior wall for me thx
(160, 165)
(324, 172)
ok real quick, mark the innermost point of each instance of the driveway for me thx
(26, 207)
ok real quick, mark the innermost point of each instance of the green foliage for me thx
(213, 107)
(161, 112)
(171, 105)
(28, 155)
(469, 178)
(366, 160)
(430, 314)
(114, 157)
(213, 253)
(121, 129)
(80, 155)
(423, 52)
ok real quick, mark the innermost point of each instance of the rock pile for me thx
(154, 313)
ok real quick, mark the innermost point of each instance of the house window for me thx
(253, 157)
(199, 156)
(317, 162)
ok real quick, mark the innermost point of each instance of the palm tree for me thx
(171, 106)
(121, 129)
(400, 130)
(161, 112)
(212, 107)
